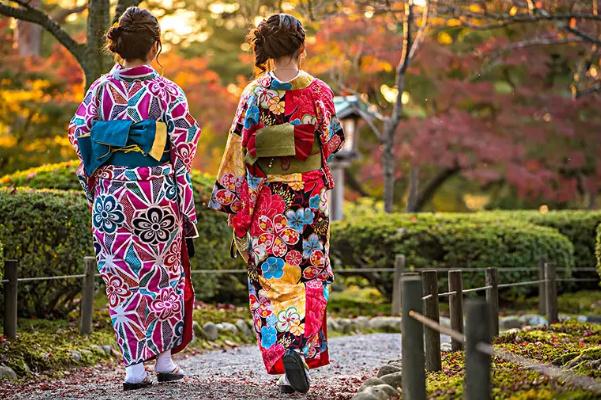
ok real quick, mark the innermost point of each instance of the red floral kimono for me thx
(273, 182)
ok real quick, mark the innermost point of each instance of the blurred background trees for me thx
(475, 104)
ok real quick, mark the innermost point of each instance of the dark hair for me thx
(133, 36)
(277, 36)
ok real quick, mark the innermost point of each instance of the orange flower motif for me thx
(276, 106)
(296, 328)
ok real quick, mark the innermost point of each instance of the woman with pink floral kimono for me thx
(273, 181)
(136, 141)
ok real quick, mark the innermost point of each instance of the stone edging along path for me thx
(213, 331)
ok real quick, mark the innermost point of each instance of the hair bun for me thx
(114, 33)
(134, 35)
(277, 36)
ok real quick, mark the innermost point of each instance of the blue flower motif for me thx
(107, 214)
(299, 218)
(268, 336)
(314, 202)
(277, 85)
(273, 267)
(271, 320)
(252, 113)
(253, 181)
(311, 244)
(295, 121)
(334, 127)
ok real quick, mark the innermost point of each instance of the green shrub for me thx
(59, 176)
(579, 226)
(212, 246)
(448, 241)
(48, 232)
(598, 249)
(1, 261)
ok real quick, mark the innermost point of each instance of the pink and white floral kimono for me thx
(142, 214)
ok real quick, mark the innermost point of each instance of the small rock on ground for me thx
(7, 372)
(210, 331)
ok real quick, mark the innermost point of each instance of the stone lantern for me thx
(350, 110)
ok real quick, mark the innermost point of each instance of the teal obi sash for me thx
(124, 143)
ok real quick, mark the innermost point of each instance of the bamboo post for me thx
(492, 298)
(412, 349)
(551, 293)
(431, 337)
(399, 268)
(87, 296)
(11, 274)
(456, 305)
(542, 294)
(477, 364)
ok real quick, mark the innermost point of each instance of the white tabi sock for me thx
(283, 380)
(164, 362)
(135, 373)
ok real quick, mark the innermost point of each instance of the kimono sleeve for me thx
(231, 193)
(331, 134)
(184, 132)
(81, 125)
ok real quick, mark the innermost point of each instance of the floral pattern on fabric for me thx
(284, 217)
(140, 215)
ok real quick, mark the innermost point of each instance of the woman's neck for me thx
(134, 63)
(286, 70)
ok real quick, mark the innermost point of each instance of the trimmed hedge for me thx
(60, 176)
(1, 261)
(499, 238)
(48, 232)
(33, 211)
(448, 241)
(598, 249)
(579, 226)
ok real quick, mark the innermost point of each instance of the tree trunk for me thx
(96, 62)
(413, 195)
(430, 189)
(388, 166)
(29, 36)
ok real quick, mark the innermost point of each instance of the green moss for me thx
(582, 302)
(51, 351)
(47, 346)
(570, 345)
(206, 313)
(355, 301)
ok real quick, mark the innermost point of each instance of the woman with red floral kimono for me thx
(136, 140)
(273, 182)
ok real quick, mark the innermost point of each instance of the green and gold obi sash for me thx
(285, 149)
(124, 143)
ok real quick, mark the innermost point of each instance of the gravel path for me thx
(226, 375)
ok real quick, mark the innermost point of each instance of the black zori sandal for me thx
(284, 386)
(172, 376)
(140, 385)
(296, 372)
(286, 389)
